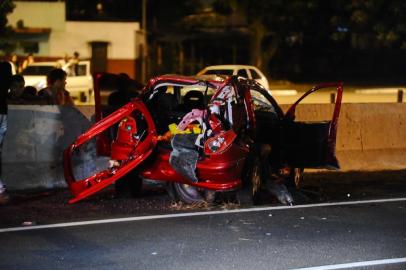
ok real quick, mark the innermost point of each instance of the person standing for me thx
(5, 79)
(126, 89)
(62, 63)
(55, 92)
(28, 61)
(16, 90)
(74, 64)
(15, 65)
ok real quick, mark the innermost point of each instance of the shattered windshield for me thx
(180, 90)
(197, 87)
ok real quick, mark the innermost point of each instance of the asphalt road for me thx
(153, 232)
(272, 238)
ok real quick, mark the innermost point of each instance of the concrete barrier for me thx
(370, 137)
(87, 111)
(33, 146)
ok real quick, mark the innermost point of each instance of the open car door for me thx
(135, 141)
(311, 144)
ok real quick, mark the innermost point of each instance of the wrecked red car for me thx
(206, 135)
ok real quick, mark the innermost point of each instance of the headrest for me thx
(194, 100)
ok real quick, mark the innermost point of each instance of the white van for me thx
(245, 71)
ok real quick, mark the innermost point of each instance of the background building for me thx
(42, 28)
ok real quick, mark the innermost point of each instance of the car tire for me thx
(190, 194)
(129, 185)
(255, 181)
(253, 191)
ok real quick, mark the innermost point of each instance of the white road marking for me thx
(254, 209)
(354, 264)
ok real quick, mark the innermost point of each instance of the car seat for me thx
(161, 109)
(193, 100)
(167, 101)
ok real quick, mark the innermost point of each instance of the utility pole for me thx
(144, 15)
(144, 50)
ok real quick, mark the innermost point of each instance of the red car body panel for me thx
(217, 172)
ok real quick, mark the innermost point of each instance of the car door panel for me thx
(135, 153)
(311, 144)
(306, 145)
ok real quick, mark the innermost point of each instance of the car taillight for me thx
(219, 143)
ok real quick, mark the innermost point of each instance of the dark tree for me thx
(6, 7)
(164, 16)
(166, 34)
(317, 28)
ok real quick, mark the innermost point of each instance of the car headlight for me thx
(219, 143)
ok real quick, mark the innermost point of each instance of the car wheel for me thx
(256, 181)
(129, 185)
(190, 194)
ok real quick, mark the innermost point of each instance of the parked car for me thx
(249, 72)
(79, 85)
(232, 116)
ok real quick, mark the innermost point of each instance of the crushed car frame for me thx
(203, 135)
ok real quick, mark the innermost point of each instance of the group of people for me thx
(68, 63)
(54, 94)
(17, 65)
(14, 91)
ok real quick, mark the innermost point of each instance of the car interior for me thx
(171, 104)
